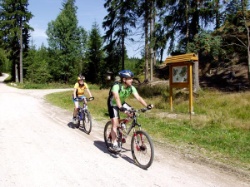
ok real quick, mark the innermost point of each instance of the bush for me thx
(149, 91)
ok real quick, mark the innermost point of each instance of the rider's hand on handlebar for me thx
(122, 109)
(91, 98)
(150, 106)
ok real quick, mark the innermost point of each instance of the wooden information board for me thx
(181, 75)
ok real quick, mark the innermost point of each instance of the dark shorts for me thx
(113, 110)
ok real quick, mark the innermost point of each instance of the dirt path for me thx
(37, 148)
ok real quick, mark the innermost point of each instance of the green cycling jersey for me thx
(124, 93)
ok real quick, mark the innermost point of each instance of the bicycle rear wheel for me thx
(87, 122)
(107, 134)
(142, 149)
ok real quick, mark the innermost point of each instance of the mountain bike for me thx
(83, 117)
(142, 147)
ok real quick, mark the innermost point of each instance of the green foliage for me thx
(71, 52)
(235, 34)
(36, 66)
(152, 91)
(66, 42)
(134, 64)
(206, 44)
(4, 61)
(13, 16)
(95, 69)
(113, 57)
(118, 23)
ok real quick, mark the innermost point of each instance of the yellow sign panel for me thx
(189, 57)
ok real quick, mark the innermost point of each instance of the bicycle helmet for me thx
(126, 74)
(80, 77)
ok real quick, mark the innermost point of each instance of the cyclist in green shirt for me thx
(116, 102)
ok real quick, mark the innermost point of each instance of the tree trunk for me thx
(146, 52)
(21, 55)
(123, 48)
(217, 15)
(146, 40)
(245, 17)
(248, 52)
(123, 45)
(196, 76)
(16, 73)
(187, 22)
(151, 40)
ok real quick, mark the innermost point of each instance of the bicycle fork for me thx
(139, 138)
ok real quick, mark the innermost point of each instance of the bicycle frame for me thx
(142, 147)
(83, 114)
(132, 125)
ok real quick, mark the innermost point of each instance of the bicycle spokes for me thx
(87, 122)
(139, 142)
(142, 149)
(107, 134)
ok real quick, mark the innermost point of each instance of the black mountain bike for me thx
(142, 147)
(84, 119)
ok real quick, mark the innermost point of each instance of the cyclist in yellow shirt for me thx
(78, 94)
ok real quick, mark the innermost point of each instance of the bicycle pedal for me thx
(123, 140)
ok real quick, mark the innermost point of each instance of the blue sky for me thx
(88, 12)
(44, 11)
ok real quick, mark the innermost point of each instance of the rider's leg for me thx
(114, 117)
(75, 108)
(115, 123)
(115, 147)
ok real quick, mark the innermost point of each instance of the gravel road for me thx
(38, 149)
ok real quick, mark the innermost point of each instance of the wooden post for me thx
(170, 89)
(190, 90)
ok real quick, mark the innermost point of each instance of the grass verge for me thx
(219, 129)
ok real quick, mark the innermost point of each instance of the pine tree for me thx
(65, 43)
(14, 33)
(118, 24)
(36, 65)
(95, 70)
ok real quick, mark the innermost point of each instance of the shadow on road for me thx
(101, 145)
(73, 126)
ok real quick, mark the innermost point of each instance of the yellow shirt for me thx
(80, 89)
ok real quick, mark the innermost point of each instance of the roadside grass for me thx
(219, 129)
(28, 85)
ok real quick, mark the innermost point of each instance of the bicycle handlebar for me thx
(149, 107)
(138, 110)
(88, 99)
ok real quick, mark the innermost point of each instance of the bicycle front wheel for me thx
(87, 122)
(142, 149)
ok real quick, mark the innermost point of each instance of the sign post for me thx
(181, 75)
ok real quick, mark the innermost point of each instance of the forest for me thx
(216, 30)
